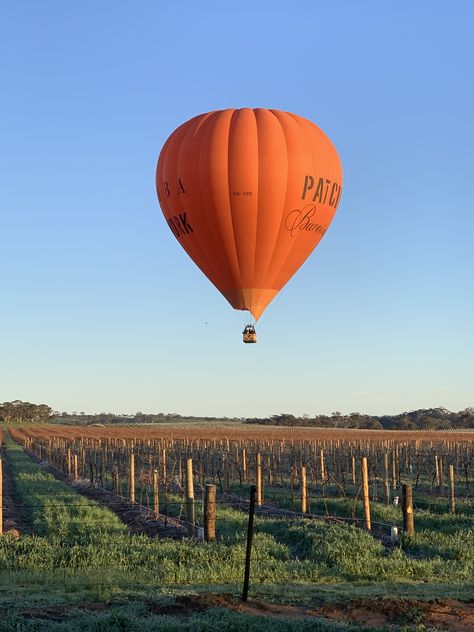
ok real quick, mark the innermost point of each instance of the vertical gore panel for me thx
(173, 199)
(272, 182)
(243, 189)
(300, 162)
(214, 175)
(325, 165)
(192, 201)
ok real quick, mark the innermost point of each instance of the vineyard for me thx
(368, 518)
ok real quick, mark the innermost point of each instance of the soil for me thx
(14, 522)
(453, 615)
(450, 615)
(138, 519)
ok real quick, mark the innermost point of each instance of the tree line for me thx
(423, 419)
(19, 411)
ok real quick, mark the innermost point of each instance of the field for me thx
(116, 529)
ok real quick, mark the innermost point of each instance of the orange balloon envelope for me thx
(249, 195)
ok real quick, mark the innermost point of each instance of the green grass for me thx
(80, 551)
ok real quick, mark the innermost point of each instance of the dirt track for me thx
(14, 521)
(451, 615)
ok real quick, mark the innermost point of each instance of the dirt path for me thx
(14, 518)
(138, 519)
(450, 615)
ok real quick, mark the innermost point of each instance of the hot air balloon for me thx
(249, 193)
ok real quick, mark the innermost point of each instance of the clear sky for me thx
(101, 310)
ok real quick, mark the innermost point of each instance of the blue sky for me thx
(101, 310)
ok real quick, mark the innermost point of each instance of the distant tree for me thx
(371, 424)
(284, 419)
(7, 411)
(18, 411)
(433, 418)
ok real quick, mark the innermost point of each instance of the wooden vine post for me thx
(304, 491)
(190, 516)
(75, 468)
(394, 471)
(163, 465)
(365, 492)
(210, 513)
(452, 502)
(385, 478)
(441, 476)
(407, 507)
(115, 480)
(156, 500)
(132, 478)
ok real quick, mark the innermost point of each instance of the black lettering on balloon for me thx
(332, 199)
(319, 190)
(325, 192)
(179, 225)
(300, 219)
(328, 182)
(187, 227)
(308, 185)
(173, 228)
(180, 188)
